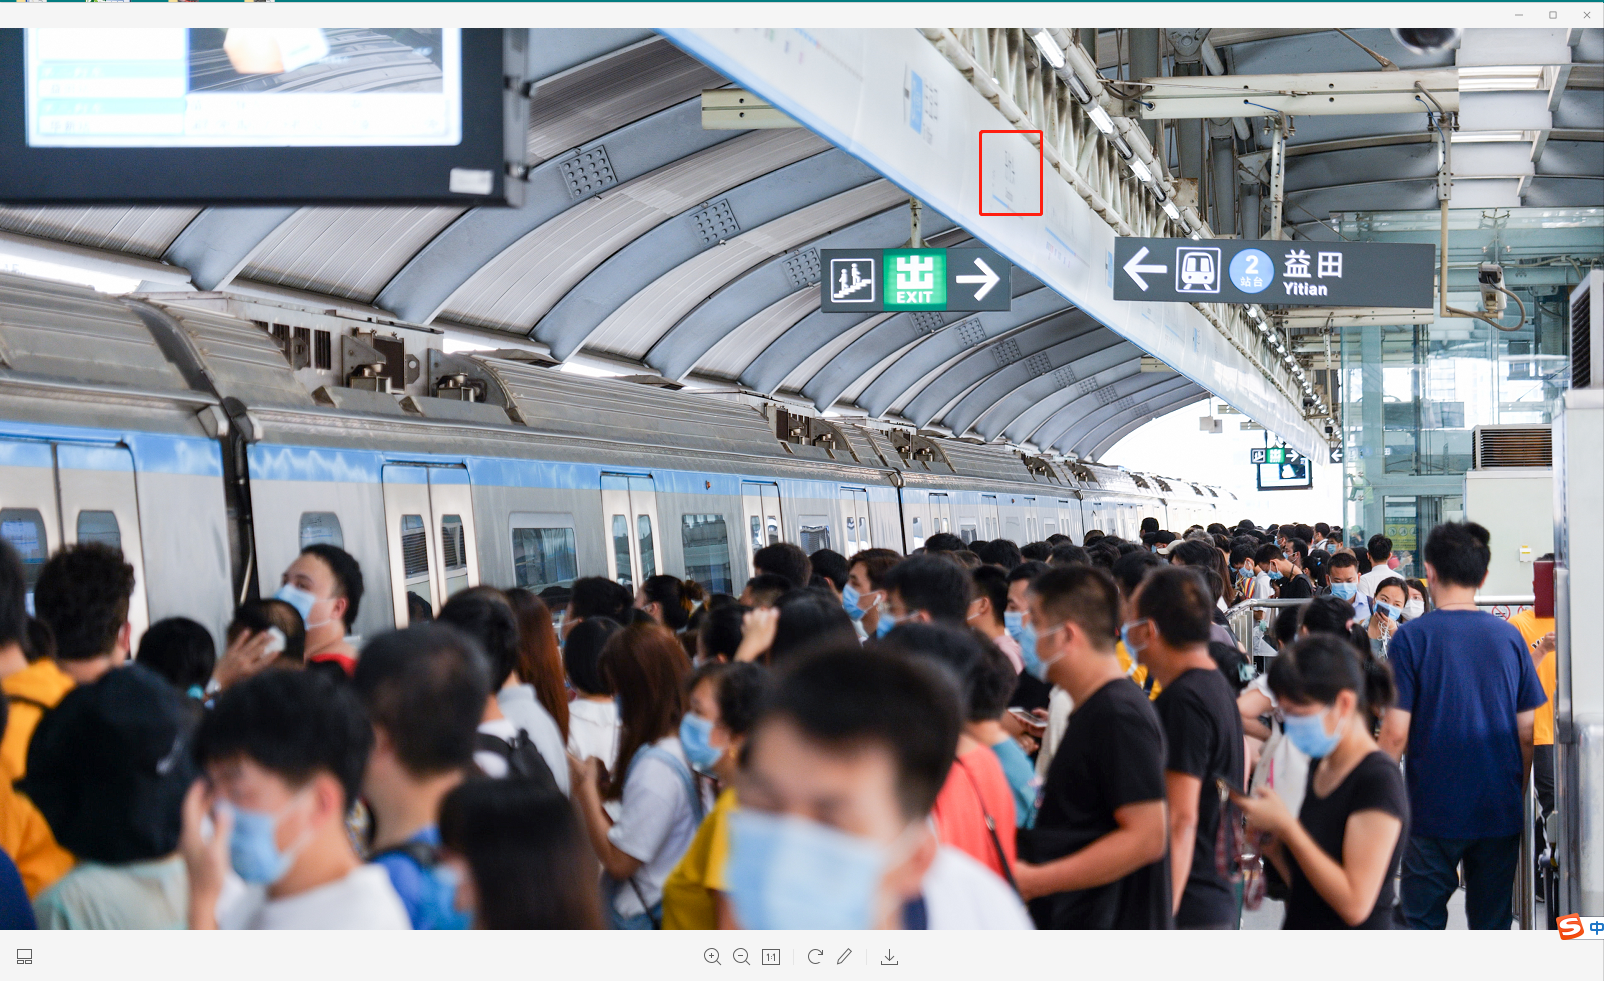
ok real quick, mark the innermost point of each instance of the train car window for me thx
(918, 534)
(415, 557)
(815, 532)
(757, 532)
(648, 555)
(626, 575)
(1011, 531)
(454, 553)
(543, 557)
(1049, 528)
(100, 526)
(321, 528)
(852, 533)
(707, 551)
(24, 530)
(966, 531)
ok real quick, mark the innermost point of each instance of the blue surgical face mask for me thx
(694, 732)
(789, 873)
(1308, 734)
(299, 598)
(887, 621)
(1345, 590)
(1387, 610)
(851, 601)
(1014, 623)
(1125, 638)
(253, 846)
(1274, 576)
(1035, 665)
(1027, 652)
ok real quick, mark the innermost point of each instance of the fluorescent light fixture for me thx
(1048, 47)
(1078, 89)
(1496, 136)
(1198, 236)
(1171, 210)
(1100, 119)
(66, 273)
(1140, 170)
(1501, 78)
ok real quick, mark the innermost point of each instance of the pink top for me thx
(1009, 646)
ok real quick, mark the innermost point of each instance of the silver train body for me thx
(211, 437)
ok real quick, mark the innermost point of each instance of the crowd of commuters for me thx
(980, 735)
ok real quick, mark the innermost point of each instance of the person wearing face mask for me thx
(283, 755)
(1284, 577)
(926, 589)
(1344, 579)
(1419, 602)
(1033, 691)
(1341, 850)
(325, 586)
(1389, 603)
(1096, 858)
(988, 612)
(842, 770)
(1203, 737)
(108, 770)
(724, 700)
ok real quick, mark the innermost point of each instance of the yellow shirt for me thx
(38, 687)
(26, 837)
(1543, 724)
(688, 902)
(1532, 627)
(1140, 674)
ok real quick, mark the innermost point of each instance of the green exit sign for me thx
(915, 279)
(1272, 455)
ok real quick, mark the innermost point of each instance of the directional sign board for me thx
(1281, 468)
(1271, 454)
(1275, 273)
(875, 280)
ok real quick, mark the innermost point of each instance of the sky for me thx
(1173, 445)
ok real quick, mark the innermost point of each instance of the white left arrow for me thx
(986, 276)
(1134, 267)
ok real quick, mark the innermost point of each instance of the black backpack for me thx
(523, 759)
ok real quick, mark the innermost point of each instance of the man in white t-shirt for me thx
(833, 831)
(283, 754)
(1380, 549)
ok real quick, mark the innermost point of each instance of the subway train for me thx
(212, 436)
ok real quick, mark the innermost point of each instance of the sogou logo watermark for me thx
(1575, 927)
(915, 279)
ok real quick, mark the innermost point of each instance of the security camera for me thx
(1493, 297)
(1426, 40)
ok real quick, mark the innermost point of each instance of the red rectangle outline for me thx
(1041, 175)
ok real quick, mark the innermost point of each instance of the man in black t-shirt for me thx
(1203, 733)
(1095, 859)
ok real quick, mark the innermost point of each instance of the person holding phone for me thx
(1341, 851)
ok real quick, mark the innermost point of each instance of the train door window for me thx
(918, 533)
(814, 533)
(100, 526)
(648, 553)
(966, 531)
(855, 503)
(1049, 528)
(988, 514)
(761, 503)
(1011, 530)
(321, 528)
(454, 553)
(415, 557)
(625, 570)
(24, 530)
(543, 552)
(940, 513)
(706, 539)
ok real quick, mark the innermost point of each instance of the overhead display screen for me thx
(262, 115)
(243, 86)
(1292, 472)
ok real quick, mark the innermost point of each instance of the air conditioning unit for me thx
(1505, 447)
(1587, 332)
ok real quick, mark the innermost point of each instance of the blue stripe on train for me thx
(27, 444)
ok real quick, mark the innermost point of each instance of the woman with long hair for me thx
(669, 600)
(520, 857)
(651, 790)
(540, 663)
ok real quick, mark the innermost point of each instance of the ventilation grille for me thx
(1582, 339)
(716, 222)
(587, 172)
(1006, 353)
(1514, 446)
(971, 332)
(927, 323)
(802, 268)
(1038, 364)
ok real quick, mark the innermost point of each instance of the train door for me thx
(988, 516)
(760, 506)
(430, 532)
(855, 512)
(1030, 520)
(1069, 520)
(53, 494)
(629, 507)
(940, 513)
(99, 503)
